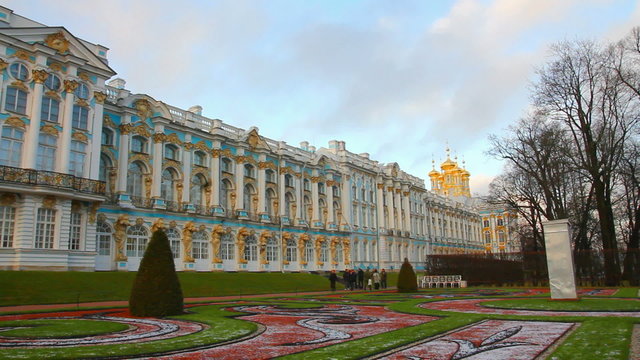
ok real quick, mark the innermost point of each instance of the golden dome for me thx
(434, 173)
(448, 165)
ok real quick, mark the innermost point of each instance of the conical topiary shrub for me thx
(156, 290)
(407, 281)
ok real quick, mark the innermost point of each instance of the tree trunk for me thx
(608, 233)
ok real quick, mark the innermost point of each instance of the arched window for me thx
(336, 191)
(288, 180)
(307, 185)
(16, 100)
(487, 237)
(251, 248)
(501, 236)
(226, 165)
(171, 152)
(197, 188)
(270, 197)
(272, 249)
(50, 109)
(137, 238)
(107, 137)
(225, 191)
(19, 71)
(309, 251)
(76, 158)
(249, 171)
(80, 117)
(11, 146)
(135, 186)
(270, 176)
(167, 187)
(105, 166)
(199, 158)
(103, 238)
(227, 247)
(292, 253)
(362, 251)
(372, 251)
(336, 209)
(53, 82)
(82, 91)
(46, 157)
(339, 253)
(139, 144)
(200, 249)
(354, 192)
(247, 199)
(288, 209)
(320, 188)
(324, 252)
(322, 207)
(174, 240)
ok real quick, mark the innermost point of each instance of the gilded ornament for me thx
(380, 186)
(52, 94)
(15, 121)
(49, 202)
(148, 180)
(39, 75)
(188, 146)
(316, 179)
(398, 191)
(172, 224)
(92, 212)
(101, 217)
(23, 55)
(215, 153)
(120, 229)
(141, 129)
(82, 102)
(240, 241)
(179, 186)
(253, 139)
(83, 76)
(49, 129)
(80, 136)
(406, 193)
(157, 225)
(173, 138)
(70, 85)
(106, 121)
(172, 163)
(390, 188)
(7, 199)
(58, 42)
(159, 137)
(143, 108)
(55, 66)
(75, 206)
(298, 175)
(139, 157)
(20, 85)
(240, 159)
(3, 64)
(201, 145)
(99, 96)
(216, 235)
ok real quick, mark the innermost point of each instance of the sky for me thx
(400, 80)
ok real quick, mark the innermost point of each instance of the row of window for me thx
(45, 228)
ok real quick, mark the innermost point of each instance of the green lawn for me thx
(46, 287)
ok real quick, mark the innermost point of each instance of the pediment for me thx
(61, 44)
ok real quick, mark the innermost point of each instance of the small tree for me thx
(156, 290)
(407, 281)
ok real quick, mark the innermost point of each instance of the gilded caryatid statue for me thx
(318, 248)
(262, 245)
(216, 235)
(286, 236)
(346, 247)
(334, 243)
(187, 239)
(302, 240)
(120, 234)
(157, 225)
(240, 241)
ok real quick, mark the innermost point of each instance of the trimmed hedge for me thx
(156, 290)
(407, 280)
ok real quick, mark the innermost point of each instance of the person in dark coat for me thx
(353, 276)
(332, 279)
(360, 278)
(383, 279)
(346, 278)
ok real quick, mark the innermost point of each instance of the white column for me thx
(215, 178)
(64, 143)
(186, 170)
(239, 177)
(281, 197)
(329, 191)
(346, 198)
(123, 155)
(262, 208)
(398, 205)
(157, 161)
(315, 215)
(299, 196)
(391, 208)
(96, 139)
(380, 205)
(33, 133)
(407, 211)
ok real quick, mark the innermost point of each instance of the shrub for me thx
(407, 281)
(156, 289)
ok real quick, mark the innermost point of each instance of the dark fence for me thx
(530, 268)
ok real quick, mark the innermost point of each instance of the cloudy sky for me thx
(396, 79)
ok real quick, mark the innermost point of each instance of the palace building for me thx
(88, 170)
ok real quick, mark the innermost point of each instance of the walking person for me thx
(368, 282)
(383, 279)
(332, 279)
(376, 279)
(360, 278)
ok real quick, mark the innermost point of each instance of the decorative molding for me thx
(82, 102)
(70, 85)
(99, 96)
(8, 199)
(23, 55)
(15, 121)
(3, 64)
(380, 186)
(58, 42)
(143, 108)
(52, 94)
(20, 85)
(107, 121)
(55, 66)
(49, 202)
(83, 76)
(80, 136)
(172, 163)
(139, 157)
(39, 75)
(49, 129)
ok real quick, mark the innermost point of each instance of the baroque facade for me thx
(89, 170)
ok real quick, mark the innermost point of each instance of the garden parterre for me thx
(431, 324)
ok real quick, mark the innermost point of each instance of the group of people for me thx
(360, 279)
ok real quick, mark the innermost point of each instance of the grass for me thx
(585, 304)
(52, 328)
(46, 287)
